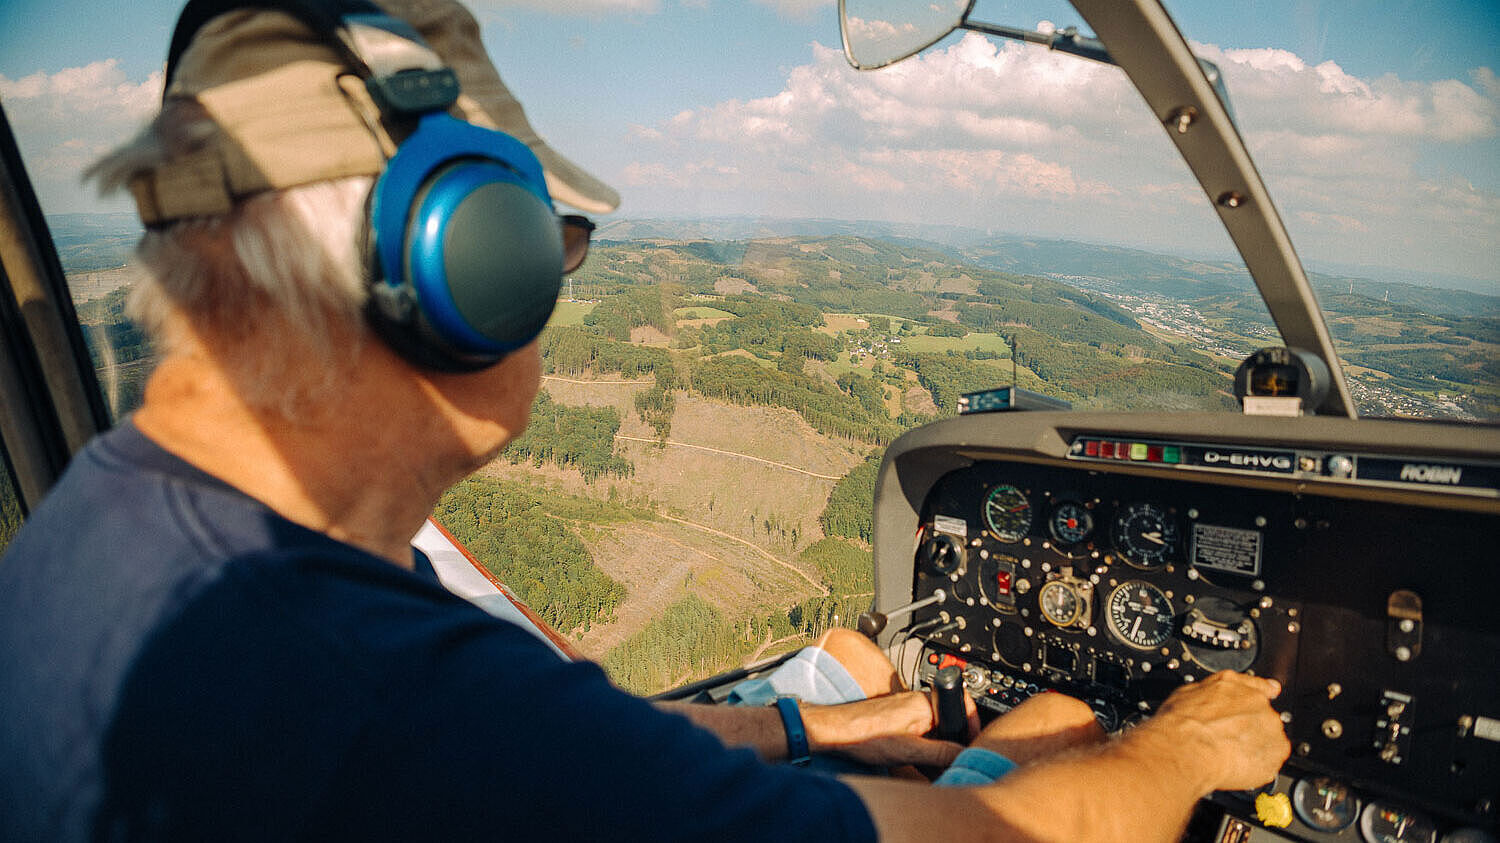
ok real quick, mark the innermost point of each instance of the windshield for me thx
(810, 260)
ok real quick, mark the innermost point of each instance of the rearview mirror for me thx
(881, 32)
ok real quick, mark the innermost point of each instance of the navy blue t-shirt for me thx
(179, 662)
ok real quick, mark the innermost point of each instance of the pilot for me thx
(216, 628)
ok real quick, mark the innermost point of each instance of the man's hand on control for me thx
(1225, 724)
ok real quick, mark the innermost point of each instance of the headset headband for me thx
(325, 19)
(404, 75)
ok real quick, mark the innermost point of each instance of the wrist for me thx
(1177, 747)
(798, 748)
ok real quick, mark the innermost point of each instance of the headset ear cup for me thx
(467, 255)
(390, 307)
(484, 255)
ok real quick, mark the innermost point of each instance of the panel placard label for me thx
(950, 525)
(1227, 549)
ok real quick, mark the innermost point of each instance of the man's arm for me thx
(1216, 734)
(883, 731)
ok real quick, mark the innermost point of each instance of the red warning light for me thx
(1002, 582)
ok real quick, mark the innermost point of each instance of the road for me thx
(728, 454)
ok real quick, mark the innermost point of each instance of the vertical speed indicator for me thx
(1007, 513)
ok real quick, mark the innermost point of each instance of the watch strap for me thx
(797, 752)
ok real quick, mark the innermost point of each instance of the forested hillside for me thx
(528, 541)
(694, 486)
(10, 512)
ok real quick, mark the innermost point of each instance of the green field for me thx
(571, 313)
(699, 312)
(972, 342)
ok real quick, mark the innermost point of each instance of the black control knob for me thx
(953, 721)
(940, 555)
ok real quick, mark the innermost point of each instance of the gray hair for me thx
(274, 287)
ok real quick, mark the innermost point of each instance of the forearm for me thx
(1139, 787)
(756, 727)
(884, 731)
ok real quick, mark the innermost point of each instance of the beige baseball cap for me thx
(290, 111)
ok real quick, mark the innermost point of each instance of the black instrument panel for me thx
(1381, 619)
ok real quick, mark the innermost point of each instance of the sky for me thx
(1375, 123)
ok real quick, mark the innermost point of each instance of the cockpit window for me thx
(10, 501)
(810, 260)
(70, 99)
(1384, 162)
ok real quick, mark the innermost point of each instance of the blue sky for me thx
(1374, 122)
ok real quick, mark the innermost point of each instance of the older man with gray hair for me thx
(216, 627)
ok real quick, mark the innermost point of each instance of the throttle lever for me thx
(871, 623)
(952, 718)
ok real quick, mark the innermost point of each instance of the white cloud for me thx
(64, 121)
(1018, 136)
(1013, 137)
(1373, 166)
(1276, 89)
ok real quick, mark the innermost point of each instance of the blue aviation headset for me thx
(465, 252)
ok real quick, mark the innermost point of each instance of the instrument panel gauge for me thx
(1007, 512)
(1139, 614)
(997, 581)
(1380, 823)
(1071, 523)
(1324, 804)
(1060, 602)
(1145, 535)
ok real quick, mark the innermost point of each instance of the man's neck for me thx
(356, 462)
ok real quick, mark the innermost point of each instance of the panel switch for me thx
(1403, 628)
(1393, 727)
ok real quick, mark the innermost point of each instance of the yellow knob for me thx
(1273, 810)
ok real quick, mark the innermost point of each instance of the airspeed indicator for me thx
(1007, 512)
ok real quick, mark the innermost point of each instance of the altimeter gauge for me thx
(1139, 614)
(1007, 512)
(1145, 535)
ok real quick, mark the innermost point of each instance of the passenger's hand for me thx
(1040, 727)
(884, 731)
(1226, 724)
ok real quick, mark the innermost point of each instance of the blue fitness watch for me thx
(797, 753)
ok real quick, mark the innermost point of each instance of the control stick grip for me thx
(953, 720)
